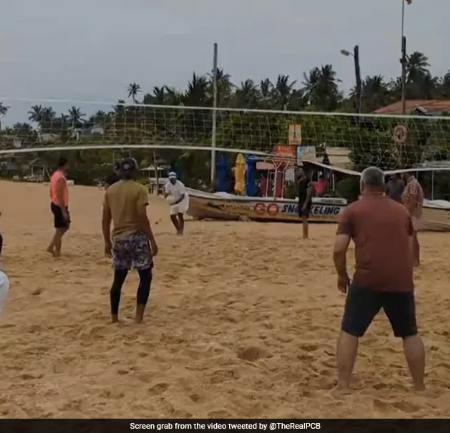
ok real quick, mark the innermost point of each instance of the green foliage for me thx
(349, 188)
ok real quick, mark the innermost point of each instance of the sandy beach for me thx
(242, 322)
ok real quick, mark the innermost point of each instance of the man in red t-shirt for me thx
(382, 232)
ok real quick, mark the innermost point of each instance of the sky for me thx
(90, 50)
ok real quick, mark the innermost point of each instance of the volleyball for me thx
(171, 200)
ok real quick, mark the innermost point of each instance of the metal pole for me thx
(358, 79)
(403, 59)
(214, 119)
(155, 166)
(432, 184)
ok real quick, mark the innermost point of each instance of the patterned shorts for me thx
(132, 251)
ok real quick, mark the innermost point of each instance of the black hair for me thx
(62, 161)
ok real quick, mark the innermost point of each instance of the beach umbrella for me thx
(251, 188)
(239, 175)
(222, 168)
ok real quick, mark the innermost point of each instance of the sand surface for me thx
(242, 322)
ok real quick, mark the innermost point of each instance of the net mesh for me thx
(388, 142)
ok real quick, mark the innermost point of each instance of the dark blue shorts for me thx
(363, 304)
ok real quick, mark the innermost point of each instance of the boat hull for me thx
(210, 206)
(324, 210)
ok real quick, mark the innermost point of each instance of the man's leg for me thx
(116, 289)
(1, 244)
(180, 223)
(56, 244)
(143, 293)
(305, 227)
(400, 308)
(361, 306)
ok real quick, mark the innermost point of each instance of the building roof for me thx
(431, 106)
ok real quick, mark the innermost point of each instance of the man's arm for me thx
(343, 235)
(106, 222)
(144, 222)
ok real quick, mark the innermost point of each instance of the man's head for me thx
(407, 175)
(372, 180)
(172, 177)
(129, 168)
(63, 164)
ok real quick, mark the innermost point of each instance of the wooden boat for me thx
(222, 206)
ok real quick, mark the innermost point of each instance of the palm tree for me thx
(246, 94)
(197, 91)
(133, 89)
(75, 116)
(35, 114)
(3, 110)
(416, 66)
(159, 95)
(375, 93)
(321, 88)
(283, 90)
(224, 86)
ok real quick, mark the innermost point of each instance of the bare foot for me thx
(50, 250)
(419, 388)
(115, 319)
(339, 390)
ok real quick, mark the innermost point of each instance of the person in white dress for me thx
(180, 204)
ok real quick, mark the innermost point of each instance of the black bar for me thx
(207, 425)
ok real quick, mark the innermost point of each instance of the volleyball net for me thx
(389, 142)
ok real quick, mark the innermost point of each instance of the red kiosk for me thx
(272, 185)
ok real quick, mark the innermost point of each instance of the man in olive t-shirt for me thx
(131, 243)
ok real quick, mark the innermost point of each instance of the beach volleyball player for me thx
(305, 193)
(131, 243)
(59, 196)
(180, 204)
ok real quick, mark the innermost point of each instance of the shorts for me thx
(304, 213)
(180, 207)
(4, 290)
(363, 304)
(59, 221)
(132, 252)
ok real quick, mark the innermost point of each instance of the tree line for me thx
(158, 117)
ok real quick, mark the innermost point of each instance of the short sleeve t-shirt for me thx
(124, 199)
(381, 229)
(176, 190)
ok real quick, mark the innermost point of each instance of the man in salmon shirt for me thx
(59, 196)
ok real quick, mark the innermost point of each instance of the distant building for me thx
(419, 107)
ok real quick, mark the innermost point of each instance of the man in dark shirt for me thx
(113, 177)
(382, 232)
(305, 193)
(394, 188)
